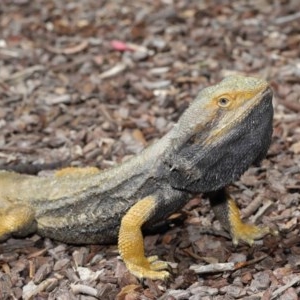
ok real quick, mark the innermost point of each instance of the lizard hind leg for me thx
(131, 246)
(228, 214)
(16, 220)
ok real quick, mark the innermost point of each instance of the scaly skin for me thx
(226, 129)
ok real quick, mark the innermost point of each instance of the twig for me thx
(253, 206)
(115, 70)
(39, 288)
(23, 74)
(288, 18)
(262, 210)
(223, 267)
(280, 290)
(84, 289)
(250, 262)
(213, 268)
(68, 50)
(9, 53)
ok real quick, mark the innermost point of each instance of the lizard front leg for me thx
(18, 220)
(227, 212)
(131, 245)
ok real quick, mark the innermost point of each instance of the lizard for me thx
(225, 130)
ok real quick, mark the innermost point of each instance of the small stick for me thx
(262, 210)
(280, 290)
(252, 207)
(288, 18)
(223, 267)
(84, 289)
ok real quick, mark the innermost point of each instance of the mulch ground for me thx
(94, 82)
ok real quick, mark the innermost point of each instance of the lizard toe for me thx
(148, 268)
(156, 264)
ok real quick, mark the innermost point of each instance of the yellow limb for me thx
(17, 220)
(131, 245)
(243, 231)
(228, 214)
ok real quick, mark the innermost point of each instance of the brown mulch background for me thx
(93, 82)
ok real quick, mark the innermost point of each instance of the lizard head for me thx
(223, 132)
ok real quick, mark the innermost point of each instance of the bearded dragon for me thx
(226, 129)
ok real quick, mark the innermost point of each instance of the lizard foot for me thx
(241, 231)
(229, 216)
(148, 267)
(131, 246)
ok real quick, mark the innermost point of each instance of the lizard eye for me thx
(223, 102)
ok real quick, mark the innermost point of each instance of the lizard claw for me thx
(150, 267)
